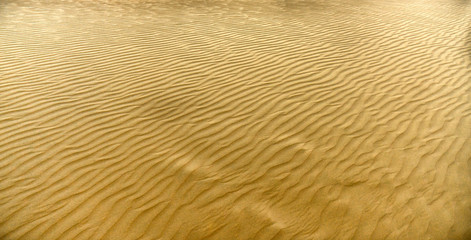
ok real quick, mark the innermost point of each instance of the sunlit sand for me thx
(133, 119)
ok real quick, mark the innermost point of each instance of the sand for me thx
(133, 119)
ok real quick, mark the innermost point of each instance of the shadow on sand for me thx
(468, 42)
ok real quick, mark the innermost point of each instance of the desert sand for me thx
(244, 119)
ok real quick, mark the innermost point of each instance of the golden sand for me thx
(133, 119)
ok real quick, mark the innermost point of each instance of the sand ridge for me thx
(235, 119)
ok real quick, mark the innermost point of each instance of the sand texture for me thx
(244, 119)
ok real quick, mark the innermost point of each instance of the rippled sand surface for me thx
(133, 119)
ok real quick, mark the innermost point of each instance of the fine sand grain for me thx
(275, 119)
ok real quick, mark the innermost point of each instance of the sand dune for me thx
(133, 119)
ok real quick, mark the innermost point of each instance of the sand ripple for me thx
(235, 119)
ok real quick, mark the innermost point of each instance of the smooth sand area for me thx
(255, 119)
